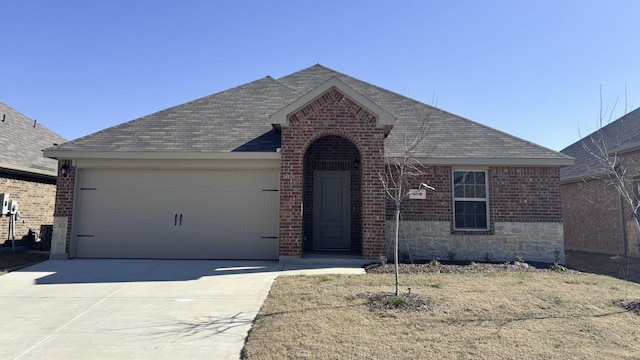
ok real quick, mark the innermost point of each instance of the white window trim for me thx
(454, 198)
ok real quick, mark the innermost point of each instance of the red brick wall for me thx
(64, 196)
(592, 217)
(525, 194)
(331, 114)
(35, 197)
(437, 206)
(516, 194)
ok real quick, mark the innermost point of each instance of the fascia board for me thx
(488, 161)
(30, 170)
(245, 155)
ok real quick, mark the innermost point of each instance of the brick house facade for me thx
(596, 217)
(36, 199)
(323, 123)
(25, 174)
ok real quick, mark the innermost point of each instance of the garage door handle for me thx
(175, 220)
(180, 219)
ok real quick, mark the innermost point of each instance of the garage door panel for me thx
(246, 202)
(120, 223)
(226, 214)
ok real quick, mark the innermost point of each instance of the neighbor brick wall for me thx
(35, 197)
(332, 114)
(592, 217)
(64, 198)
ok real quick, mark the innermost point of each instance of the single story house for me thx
(26, 177)
(596, 217)
(277, 168)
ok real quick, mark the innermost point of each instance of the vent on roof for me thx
(4, 116)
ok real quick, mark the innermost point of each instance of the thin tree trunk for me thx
(395, 247)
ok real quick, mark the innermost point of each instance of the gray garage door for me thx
(176, 214)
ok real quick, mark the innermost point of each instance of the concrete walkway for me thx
(137, 309)
(619, 267)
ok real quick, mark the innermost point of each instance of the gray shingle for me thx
(622, 132)
(21, 143)
(237, 120)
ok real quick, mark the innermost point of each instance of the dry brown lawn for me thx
(509, 315)
(10, 261)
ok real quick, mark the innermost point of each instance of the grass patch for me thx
(10, 261)
(467, 316)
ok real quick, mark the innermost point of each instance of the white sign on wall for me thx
(418, 194)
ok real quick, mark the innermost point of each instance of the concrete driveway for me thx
(132, 309)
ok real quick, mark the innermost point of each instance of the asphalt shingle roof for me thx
(623, 132)
(238, 120)
(21, 143)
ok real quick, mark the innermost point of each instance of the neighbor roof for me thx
(22, 141)
(619, 135)
(237, 120)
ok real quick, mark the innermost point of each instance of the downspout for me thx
(625, 240)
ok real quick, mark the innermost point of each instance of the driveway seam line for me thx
(65, 325)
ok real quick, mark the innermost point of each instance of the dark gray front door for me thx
(331, 210)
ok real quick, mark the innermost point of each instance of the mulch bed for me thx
(405, 302)
(467, 267)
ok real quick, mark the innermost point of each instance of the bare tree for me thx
(397, 178)
(605, 149)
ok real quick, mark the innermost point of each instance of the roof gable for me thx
(383, 117)
(620, 135)
(22, 141)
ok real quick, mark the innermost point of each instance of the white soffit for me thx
(384, 117)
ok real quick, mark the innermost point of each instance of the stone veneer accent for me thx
(331, 114)
(424, 240)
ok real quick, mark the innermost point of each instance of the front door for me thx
(331, 210)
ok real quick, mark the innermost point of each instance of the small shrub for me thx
(473, 263)
(557, 267)
(398, 302)
(435, 262)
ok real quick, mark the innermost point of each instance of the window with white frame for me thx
(470, 200)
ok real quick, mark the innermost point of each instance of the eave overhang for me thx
(239, 155)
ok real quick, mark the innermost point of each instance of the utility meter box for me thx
(4, 203)
(13, 207)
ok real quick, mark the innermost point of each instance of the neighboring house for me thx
(27, 176)
(279, 167)
(595, 219)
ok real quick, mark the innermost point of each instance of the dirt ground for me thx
(10, 261)
(625, 268)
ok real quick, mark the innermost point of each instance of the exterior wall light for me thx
(64, 170)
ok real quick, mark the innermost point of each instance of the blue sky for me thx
(533, 69)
